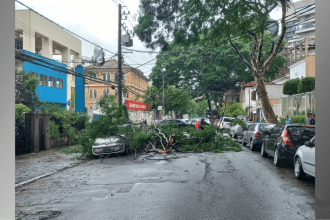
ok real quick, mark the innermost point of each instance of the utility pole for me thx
(163, 95)
(119, 59)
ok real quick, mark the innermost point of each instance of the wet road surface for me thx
(231, 185)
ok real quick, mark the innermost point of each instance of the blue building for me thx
(52, 86)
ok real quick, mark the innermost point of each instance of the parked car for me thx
(178, 122)
(108, 145)
(187, 121)
(237, 129)
(283, 140)
(304, 160)
(255, 134)
(224, 123)
(240, 136)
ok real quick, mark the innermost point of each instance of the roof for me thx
(113, 64)
(281, 76)
(250, 84)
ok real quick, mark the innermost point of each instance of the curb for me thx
(45, 175)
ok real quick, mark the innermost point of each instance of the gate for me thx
(41, 135)
(20, 137)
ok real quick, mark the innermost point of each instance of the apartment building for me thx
(42, 37)
(133, 79)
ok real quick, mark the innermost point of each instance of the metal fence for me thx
(22, 132)
(298, 105)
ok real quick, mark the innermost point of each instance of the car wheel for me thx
(127, 150)
(277, 160)
(243, 143)
(263, 153)
(252, 146)
(96, 157)
(298, 169)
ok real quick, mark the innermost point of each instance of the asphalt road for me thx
(231, 185)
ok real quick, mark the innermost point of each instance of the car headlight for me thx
(96, 144)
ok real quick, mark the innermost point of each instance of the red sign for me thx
(137, 106)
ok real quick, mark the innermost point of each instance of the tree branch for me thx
(261, 43)
(278, 44)
(253, 49)
(240, 55)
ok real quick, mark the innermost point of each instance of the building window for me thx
(104, 92)
(59, 83)
(108, 91)
(308, 33)
(51, 82)
(18, 45)
(95, 94)
(116, 92)
(307, 17)
(108, 77)
(43, 80)
(124, 77)
(91, 107)
(104, 76)
(90, 94)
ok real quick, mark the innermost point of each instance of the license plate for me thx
(106, 150)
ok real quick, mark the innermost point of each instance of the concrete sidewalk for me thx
(37, 165)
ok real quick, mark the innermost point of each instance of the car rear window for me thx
(300, 134)
(265, 127)
(227, 120)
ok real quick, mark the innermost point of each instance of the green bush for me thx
(295, 119)
(290, 87)
(20, 110)
(306, 84)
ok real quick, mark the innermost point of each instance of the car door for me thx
(309, 158)
(269, 140)
(248, 133)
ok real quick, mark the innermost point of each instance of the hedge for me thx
(306, 84)
(295, 119)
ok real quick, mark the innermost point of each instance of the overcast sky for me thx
(97, 21)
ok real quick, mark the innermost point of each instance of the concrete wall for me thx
(35, 23)
(298, 70)
(274, 91)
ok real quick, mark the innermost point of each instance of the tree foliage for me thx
(234, 109)
(290, 87)
(152, 96)
(176, 100)
(20, 110)
(213, 23)
(306, 84)
(25, 90)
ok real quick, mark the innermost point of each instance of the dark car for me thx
(255, 134)
(283, 140)
(178, 122)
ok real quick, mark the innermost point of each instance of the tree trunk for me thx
(209, 103)
(265, 103)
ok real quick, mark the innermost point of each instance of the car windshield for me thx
(265, 127)
(227, 119)
(300, 134)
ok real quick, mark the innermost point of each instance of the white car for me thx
(105, 146)
(304, 160)
(225, 121)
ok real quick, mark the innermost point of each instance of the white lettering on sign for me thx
(137, 106)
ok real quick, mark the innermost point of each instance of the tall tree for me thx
(185, 21)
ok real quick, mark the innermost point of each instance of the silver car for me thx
(255, 134)
(304, 160)
(237, 130)
(105, 146)
(225, 122)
